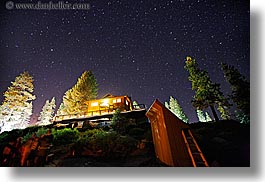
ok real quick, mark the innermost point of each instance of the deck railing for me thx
(105, 111)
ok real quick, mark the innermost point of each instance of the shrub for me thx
(41, 131)
(30, 129)
(87, 136)
(111, 144)
(65, 136)
(148, 135)
(242, 117)
(26, 137)
(116, 117)
(137, 133)
(4, 137)
(119, 146)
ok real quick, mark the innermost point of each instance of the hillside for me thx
(224, 143)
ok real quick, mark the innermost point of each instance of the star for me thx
(132, 47)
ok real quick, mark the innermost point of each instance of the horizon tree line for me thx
(16, 108)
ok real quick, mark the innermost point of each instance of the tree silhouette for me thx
(47, 112)
(240, 88)
(207, 93)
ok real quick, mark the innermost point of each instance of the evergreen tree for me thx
(240, 87)
(60, 110)
(69, 102)
(117, 121)
(84, 90)
(201, 116)
(207, 93)
(175, 108)
(167, 105)
(135, 104)
(207, 117)
(116, 117)
(16, 108)
(47, 112)
(2, 117)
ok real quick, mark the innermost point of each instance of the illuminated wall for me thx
(169, 145)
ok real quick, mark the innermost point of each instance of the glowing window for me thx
(93, 104)
(114, 101)
(119, 100)
(105, 103)
(127, 103)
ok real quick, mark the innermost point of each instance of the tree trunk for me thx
(214, 113)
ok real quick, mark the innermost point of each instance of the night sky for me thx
(135, 48)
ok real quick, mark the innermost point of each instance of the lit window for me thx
(119, 100)
(93, 104)
(105, 103)
(114, 101)
(127, 103)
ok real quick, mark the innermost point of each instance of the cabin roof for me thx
(108, 95)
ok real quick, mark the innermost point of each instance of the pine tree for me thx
(2, 118)
(240, 87)
(47, 112)
(207, 93)
(201, 116)
(17, 105)
(84, 90)
(25, 116)
(175, 108)
(60, 110)
(167, 105)
(207, 117)
(69, 102)
(135, 105)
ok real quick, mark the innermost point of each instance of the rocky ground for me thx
(139, 158)
(224, 143)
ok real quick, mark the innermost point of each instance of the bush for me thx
(148, 135)
(30, 129)
(4, 137)
(242, 117)
(65, 136)
(116, 117)
(87, 136)
(111, 144)
(137, 133)
(26, 137)
(39, 132)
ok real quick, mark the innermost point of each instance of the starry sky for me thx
(136, 48)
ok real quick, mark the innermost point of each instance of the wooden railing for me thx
(109, 110)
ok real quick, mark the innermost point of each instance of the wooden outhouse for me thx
(173, 141)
